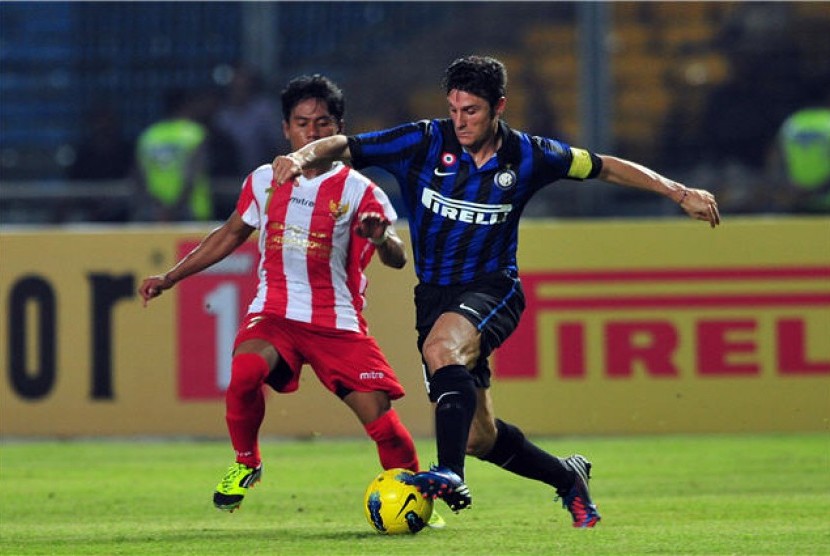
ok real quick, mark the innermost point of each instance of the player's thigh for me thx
(453, 340)
(483, 430)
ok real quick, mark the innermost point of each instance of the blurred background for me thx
(727, 96)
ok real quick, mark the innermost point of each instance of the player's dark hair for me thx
(316, 86)
(482, 76)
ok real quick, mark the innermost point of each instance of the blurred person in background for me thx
(740, 116)
(250, 118)
(800, 163)
(172, 165)
(223, 152)
(224, 165)
(315, 241)
(104, 153)
(465, 181)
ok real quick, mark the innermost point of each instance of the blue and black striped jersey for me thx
(464, 220)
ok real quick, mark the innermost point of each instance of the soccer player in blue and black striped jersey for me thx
(465, 181)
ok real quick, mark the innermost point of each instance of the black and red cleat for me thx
(443, 483)
(578, 499)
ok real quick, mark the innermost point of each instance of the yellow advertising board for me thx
(654, 326)
(631, 327)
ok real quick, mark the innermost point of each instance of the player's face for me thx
(310, 120)
(474, 122)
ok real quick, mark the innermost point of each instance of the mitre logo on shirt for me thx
(308, 203)
(337, 210)
(465, 211)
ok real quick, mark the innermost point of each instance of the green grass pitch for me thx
(758, 494)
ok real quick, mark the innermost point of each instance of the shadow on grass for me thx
(218, 538)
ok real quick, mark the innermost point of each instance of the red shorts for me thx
(343, 360)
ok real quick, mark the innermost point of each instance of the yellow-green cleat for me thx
(436, 521)
(231, 489)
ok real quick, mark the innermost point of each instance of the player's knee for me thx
(385, 427)
(248, 372)
(436, 353)
(439, 352)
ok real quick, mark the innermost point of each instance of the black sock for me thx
(514, 452)
(455, 394)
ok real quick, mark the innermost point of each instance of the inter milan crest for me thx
(505, 179)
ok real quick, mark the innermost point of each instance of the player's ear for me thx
(285, 130)
(501, 104)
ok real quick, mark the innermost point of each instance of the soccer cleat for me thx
(578, 499)
(436, 521)
(231, 489)
(443, 483)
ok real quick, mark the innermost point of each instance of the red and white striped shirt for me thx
(311, 260)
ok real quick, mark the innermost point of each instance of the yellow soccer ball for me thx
(393, 505)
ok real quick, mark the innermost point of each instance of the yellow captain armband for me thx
(581, 164)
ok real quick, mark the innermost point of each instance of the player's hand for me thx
(285, 168)
(372, 225)
(700, 205)
(153, 286)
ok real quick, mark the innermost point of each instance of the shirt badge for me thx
(505, 179)
(448, 159)
(337, 210)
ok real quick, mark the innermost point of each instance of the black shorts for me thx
(493, 304)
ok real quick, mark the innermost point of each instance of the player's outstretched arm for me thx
(217, 245)
(322, 151)
(698, 203)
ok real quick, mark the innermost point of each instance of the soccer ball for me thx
(393, 505)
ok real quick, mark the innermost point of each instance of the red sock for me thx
(245, 406)
(395, 445)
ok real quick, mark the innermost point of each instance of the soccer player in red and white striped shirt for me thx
(316, 237)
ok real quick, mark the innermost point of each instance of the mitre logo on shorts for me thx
(372, 375)
(465, 211)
